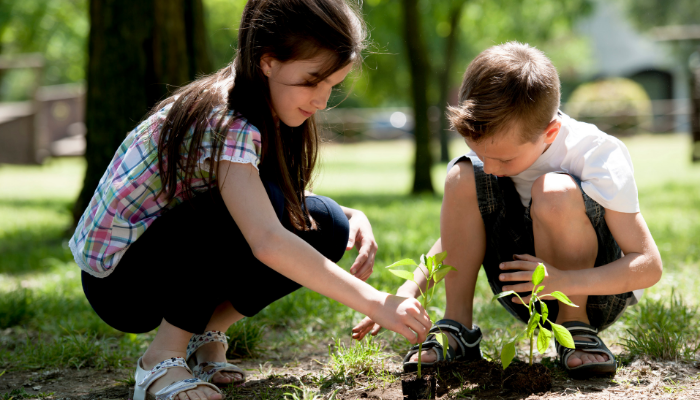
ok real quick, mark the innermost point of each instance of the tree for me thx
(452, 32)
(135, 49)
(676, 16)
(418, 61)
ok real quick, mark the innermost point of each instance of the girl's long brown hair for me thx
(287, 30)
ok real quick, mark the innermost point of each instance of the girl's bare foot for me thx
(153, 357)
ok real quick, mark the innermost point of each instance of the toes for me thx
(574, 360)
(211, 394)
(183, 396)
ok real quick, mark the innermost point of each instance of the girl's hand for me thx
(525, 264)
(361, 236)
(364, 327)
(405, 316)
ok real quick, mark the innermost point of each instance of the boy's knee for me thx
(461, 181)
(555, 196)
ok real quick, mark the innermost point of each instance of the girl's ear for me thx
(266, 64)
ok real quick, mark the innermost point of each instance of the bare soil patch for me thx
(274, 375)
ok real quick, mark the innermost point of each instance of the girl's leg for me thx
(261, 284)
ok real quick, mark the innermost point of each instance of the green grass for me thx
(40, 284)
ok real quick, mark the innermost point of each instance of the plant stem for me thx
(531, 349)
(420, 349)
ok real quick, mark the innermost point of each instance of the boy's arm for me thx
(639, 268)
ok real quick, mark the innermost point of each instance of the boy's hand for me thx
(525, 265)
(405, 316)
(364, 327)
(361, 236)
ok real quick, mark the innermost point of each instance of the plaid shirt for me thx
(125, 203)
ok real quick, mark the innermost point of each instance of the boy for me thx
(537, 186)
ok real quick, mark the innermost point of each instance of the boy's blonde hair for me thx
(505, 85)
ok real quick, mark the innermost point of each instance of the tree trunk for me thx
(450, 47)
(418, 60)
(135, 49)
(695, 111)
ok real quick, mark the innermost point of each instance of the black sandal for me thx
(585, 371)
(467, 339)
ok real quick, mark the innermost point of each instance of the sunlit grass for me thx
(374, 177)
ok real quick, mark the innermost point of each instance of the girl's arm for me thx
(362, 235)
(639, 268)
(281, 250)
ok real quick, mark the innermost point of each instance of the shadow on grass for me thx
(33, 249)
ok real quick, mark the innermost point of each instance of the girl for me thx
(203, 217)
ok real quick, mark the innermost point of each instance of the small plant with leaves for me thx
(436, 270)
(537, 320)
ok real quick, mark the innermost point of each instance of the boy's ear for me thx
(552, 130)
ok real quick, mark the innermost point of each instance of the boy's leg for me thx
(565, 238)
(460, 223)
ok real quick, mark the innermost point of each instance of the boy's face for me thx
(505, 154)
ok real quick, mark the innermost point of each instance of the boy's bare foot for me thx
(428, 356)
(582, 357)
(216, 352)
(152, 358)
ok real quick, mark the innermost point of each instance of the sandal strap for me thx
(595, 345)
(466, 339)
(207, 337)
(170, 391)
(430, 344)
(206, 376)
(159, 370)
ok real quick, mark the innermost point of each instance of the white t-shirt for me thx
(601, 161)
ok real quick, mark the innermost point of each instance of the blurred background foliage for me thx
(58, 29)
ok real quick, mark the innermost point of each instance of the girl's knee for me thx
(332, 226)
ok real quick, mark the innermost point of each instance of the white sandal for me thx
(199, 370)
(144, 379)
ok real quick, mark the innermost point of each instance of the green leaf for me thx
(405, 261)
(563, 336)
(543, 339)
(562, 297)
(423, 261)
(442, 339)
(503, 294)
(545, 311)
(440, 257)
(538, 275)
(444, 270)
(507, 354)
(539, 289)
(532, 324)
(403, 274)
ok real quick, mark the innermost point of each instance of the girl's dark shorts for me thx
(508, 228)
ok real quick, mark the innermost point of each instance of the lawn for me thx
(52, 325)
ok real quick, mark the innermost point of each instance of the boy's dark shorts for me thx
(509, 231)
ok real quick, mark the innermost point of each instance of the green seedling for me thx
(436, 270)
(537, 319)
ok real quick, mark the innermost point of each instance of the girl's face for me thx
(294, 99)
